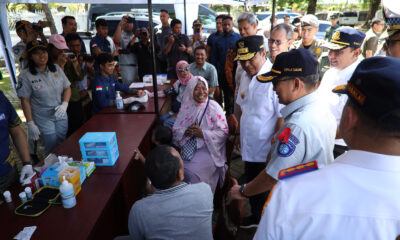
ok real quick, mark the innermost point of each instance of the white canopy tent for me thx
(186, 10)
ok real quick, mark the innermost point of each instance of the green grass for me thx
(5, 85)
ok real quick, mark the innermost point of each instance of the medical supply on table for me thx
(73, 177)
(119, 102)
(89, 167)
(7, 196)
(26, 233)
(28, 192)
(67, 194)
(41, 200)
(100, 148)
(22, 195)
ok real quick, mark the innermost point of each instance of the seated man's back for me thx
(182, 211)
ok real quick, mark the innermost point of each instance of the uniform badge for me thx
(336, 36)
(242, 94)
(2, 116)
(298, 169)
(56, 75)
(38, 87)
(287, 143)
(318, 50)
(99, 88)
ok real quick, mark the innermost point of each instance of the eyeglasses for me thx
(277, 42)
(183, 69)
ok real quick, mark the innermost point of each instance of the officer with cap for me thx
(332, 28)
(391, 13)
(343, 57)
(309, 130)
(309, 27)
(355, 197)
(260, 115)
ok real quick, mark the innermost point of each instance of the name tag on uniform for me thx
(99, 88)
(38, 87)
(2, 116)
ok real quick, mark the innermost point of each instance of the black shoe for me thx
(249, 222)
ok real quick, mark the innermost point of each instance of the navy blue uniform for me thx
(8, 119)
(100, 42)
(103, 90)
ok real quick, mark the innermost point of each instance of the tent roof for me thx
(226, 2)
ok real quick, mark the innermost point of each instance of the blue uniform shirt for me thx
(100, 42)
(103, 90)
(211, 42)
(8, 119)
(222, 45)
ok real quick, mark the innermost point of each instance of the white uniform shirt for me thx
(336, 102)
(260, 111)
(356, 197)
(124, 44)
(312, 135)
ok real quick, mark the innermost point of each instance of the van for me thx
(348, 18)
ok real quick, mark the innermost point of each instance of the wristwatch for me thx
(241, 190)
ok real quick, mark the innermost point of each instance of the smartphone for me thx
(70, 55)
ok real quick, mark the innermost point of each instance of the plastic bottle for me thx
(22, 195)
(7, 196)
(28, 192)
(67, 194)
(118, 100)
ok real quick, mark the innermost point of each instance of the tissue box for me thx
(100, 148)
(49, 177)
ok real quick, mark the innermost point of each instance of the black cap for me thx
(296, 21)
(34, 45)
(345, 37)
(334, 16)
(247, 47)
(375, 86)
(296, 63)
(197, 22)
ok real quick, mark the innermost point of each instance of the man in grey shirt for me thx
(176, 210)
(202, 68)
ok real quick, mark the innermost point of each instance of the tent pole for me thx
(8, 58)
(184, 11)
(153, 53)
(273, 15)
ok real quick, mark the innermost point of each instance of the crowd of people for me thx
(297, 103)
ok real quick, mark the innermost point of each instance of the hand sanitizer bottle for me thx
(67, 194)
(118, 100)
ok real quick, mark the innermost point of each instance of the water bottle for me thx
(118, 100)
(67, 194)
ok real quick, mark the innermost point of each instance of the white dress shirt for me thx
(356, 197)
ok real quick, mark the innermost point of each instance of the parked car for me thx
(323, 25)
(349, 18)
(266, 22)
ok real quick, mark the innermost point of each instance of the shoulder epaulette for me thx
(298, 169)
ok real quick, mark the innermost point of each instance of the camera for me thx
(143, 33)
(123, 51)
(176, 36)
(37, 27)
(70, 55)
(197, 31)
(88, 58)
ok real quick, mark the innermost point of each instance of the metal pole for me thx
(184, 11)
(273, 15)
(8, 59)
(153, 53)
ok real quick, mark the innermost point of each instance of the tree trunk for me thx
(312, 6)
(30, 7)
(49, 18)
(228, 9)
(373, 7)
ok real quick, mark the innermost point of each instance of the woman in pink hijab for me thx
(201, 131)
(184, 75)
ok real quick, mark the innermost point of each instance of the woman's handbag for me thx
(190, 147)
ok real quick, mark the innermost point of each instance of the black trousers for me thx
(251, 170)
(75, 116)
(227, 93)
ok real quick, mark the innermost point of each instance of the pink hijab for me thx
(214, 125)
(181, 79)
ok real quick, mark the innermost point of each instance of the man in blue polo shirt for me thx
(10, 125)
(102, 43)
(227, 40)
(105, 85)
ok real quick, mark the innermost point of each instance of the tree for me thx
(49, 18)
(312, 6)
(373, 7)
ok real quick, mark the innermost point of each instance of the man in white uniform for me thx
(260, 113)
(357, 196)
(343, 57)
(309, 130)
